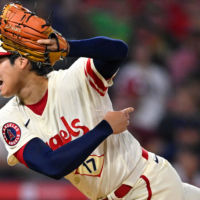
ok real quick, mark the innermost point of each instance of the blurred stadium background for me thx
(160, 79)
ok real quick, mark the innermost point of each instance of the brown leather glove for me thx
(20, 30)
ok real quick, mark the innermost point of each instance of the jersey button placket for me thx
(43, 124)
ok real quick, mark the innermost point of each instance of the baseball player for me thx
(62, 124)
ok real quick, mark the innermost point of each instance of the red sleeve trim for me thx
(97, 82)
(93, 85)
(19, 155)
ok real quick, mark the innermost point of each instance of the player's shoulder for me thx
(57, 76)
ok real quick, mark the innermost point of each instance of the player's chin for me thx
(5, 94)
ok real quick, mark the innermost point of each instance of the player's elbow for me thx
(122, 49)
(125, 49)
(52, 170)
(59, 173)
(56, 176)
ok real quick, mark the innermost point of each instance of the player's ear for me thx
(22, 62)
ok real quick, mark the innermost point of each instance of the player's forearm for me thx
(108, 54)
(102, 48)
(57, 164)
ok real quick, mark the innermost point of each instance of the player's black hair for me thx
(40, 71)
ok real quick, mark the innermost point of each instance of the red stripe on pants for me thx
(148, 186)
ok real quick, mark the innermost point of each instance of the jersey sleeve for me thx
(14, 135)
(83, 73)
(95, 79)
(82, 82)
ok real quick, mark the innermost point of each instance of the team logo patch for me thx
(11, 133)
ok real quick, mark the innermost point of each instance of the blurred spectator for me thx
(178, 19)
(192, 9)
(181, 124)
(187, 165)
(184, 60)
(183, 109)
(145, 86)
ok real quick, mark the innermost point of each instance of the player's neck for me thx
(34, 90)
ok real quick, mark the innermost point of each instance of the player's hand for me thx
(118, 120)
(51, 44)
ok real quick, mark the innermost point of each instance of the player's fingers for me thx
(128, 110)
(45, 41)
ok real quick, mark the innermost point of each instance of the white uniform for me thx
(77, 102)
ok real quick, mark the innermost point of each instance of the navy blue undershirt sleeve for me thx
(108, 54)
(59, 163)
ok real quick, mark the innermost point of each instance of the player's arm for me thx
(108, 54)
(39, 157)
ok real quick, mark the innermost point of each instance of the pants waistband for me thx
(124, 189)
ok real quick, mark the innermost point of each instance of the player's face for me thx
(9, 78)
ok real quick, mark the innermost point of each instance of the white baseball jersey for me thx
(77, 102)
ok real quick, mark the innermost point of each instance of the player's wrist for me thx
(104, 128)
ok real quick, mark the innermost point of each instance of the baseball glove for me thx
(20, 30)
